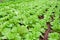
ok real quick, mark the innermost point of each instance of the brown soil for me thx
(46, 32)
(45, 35)
(41, 16)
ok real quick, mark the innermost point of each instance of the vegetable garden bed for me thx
(30, 20)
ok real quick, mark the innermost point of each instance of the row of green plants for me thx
(19, 20)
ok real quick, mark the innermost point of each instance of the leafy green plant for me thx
(54, 36)
(26, 19)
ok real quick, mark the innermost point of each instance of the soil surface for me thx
(46, 32)
(45, 35)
